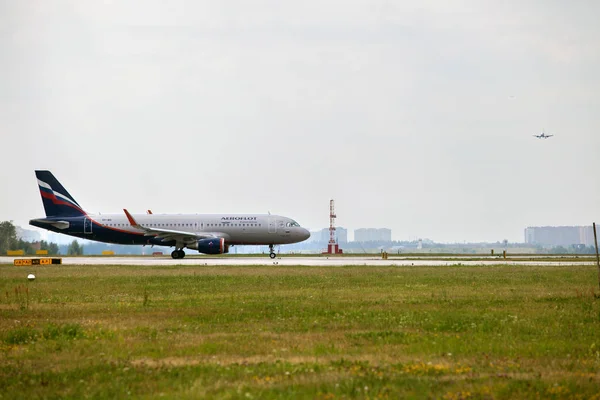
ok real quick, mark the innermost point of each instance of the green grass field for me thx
(300, 332)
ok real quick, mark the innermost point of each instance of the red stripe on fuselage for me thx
(51, 196)
(55, 200)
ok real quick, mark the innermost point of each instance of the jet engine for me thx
(212, 246)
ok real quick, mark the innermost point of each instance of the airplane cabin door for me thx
(272, 225)
(87, 226)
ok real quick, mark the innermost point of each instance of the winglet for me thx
(132, 221)
(149, 211)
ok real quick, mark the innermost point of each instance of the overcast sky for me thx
(413, 115)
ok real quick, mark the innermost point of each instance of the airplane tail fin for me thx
(57, 201)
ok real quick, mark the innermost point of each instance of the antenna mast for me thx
(332, 246)
(332, 239)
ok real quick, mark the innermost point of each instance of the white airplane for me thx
(206, 233)
(543, 136)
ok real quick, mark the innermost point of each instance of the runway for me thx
(302, 261)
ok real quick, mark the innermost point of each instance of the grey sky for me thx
(417, 116)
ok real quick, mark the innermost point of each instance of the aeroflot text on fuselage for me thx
(238, 218)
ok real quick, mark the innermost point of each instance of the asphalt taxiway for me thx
(302, 261)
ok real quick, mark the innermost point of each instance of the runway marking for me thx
(302, 261)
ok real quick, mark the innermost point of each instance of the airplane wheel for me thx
(175, 254)
(181, 253)
(272, 255)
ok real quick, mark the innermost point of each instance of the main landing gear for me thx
(271, 251)
(177, 254)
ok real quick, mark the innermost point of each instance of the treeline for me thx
(429, 246)
(10, 241)
(573, 249)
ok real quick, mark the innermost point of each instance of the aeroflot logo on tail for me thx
(238, 218)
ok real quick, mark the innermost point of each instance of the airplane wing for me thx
(167, 235)
(549, 135)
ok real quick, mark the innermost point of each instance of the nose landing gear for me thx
(271, 251)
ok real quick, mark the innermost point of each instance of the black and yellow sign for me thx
(23, 262)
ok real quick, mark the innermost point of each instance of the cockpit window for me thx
(293, 224)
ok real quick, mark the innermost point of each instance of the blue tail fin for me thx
(57, 201)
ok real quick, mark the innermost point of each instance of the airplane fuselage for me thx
(206, 233)
(236, 229)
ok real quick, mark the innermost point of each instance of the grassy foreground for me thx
(300, 332)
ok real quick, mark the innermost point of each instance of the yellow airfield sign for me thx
(23, 262)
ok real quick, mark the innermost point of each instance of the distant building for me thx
(373, 235)
(559, 235)
(323, 235)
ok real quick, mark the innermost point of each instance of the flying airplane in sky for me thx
(206, 233)
(543, 136)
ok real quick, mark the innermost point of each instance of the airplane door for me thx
(272, 225)
(87, 225)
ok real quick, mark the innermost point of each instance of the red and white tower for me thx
(332, 246)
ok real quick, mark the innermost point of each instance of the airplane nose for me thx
(305, 234)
